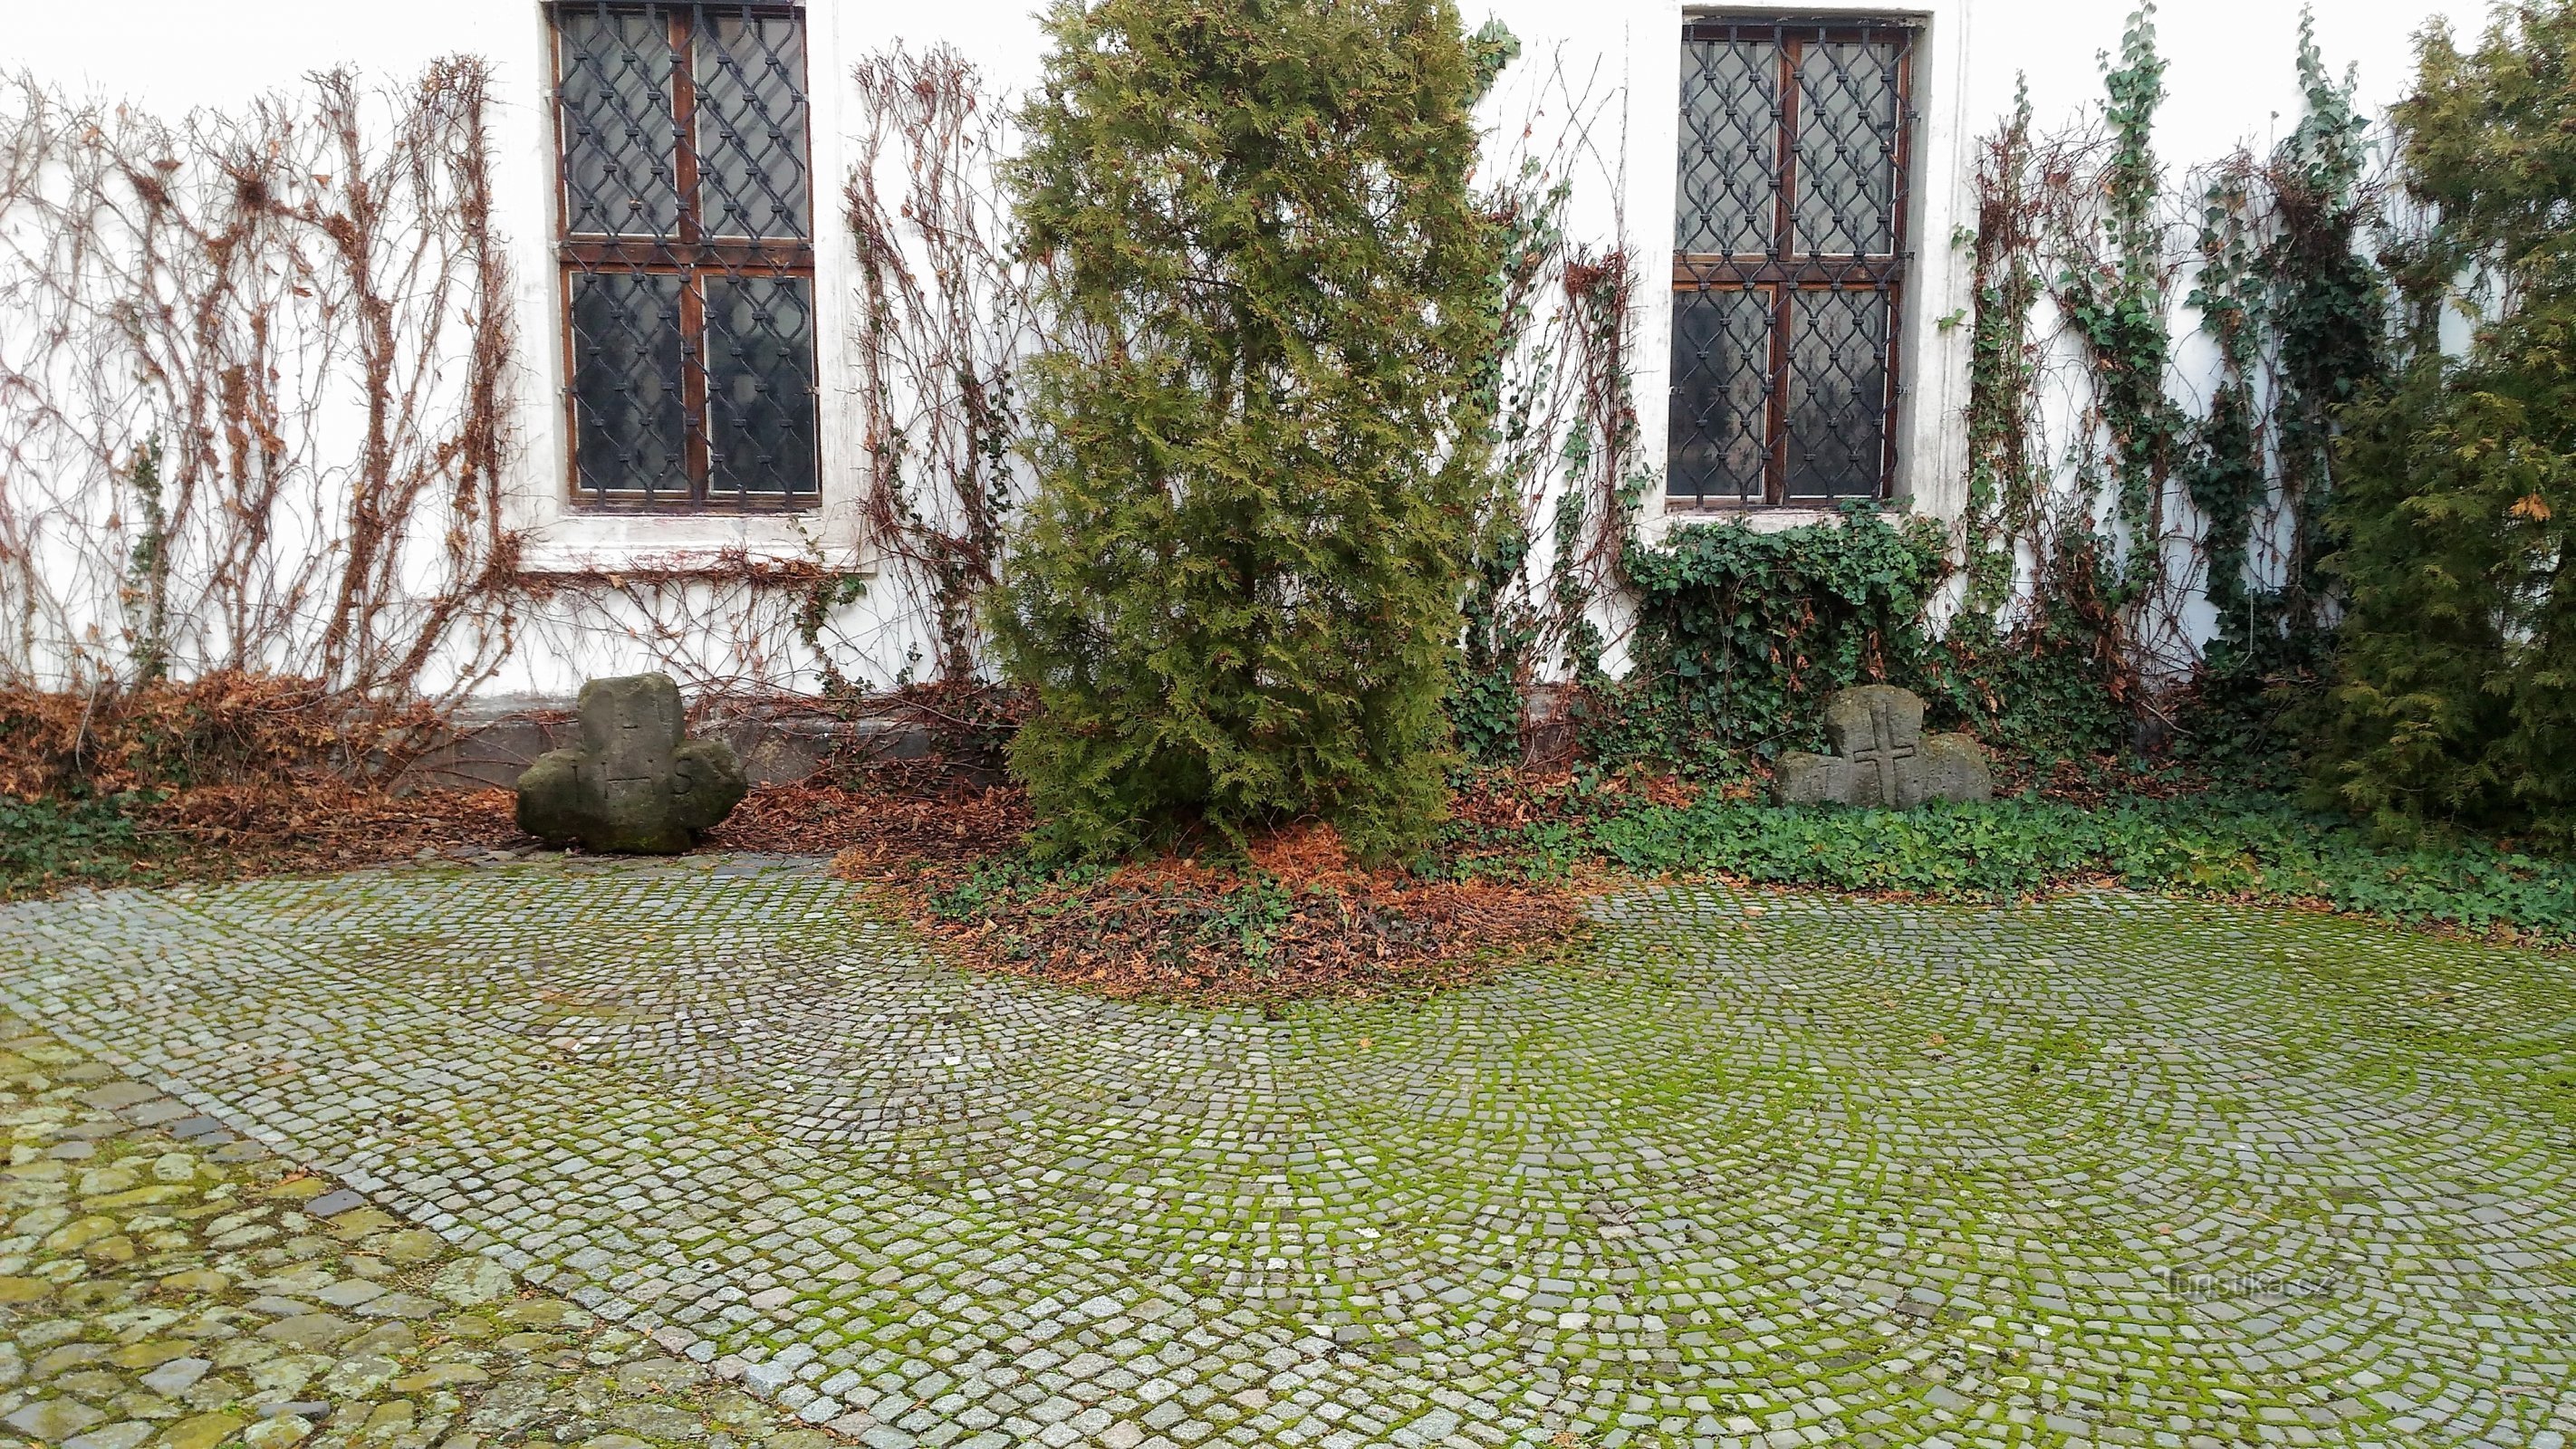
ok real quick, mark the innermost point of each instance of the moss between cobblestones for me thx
(1755, 1169)
(164, 1282)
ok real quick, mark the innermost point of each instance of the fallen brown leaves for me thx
(921, 811)
(1297, 920)
(237, 775)
(1512, 799)
(240, 776)
(2093, 781)
(327, 825)
(243, 729)
(323, 823)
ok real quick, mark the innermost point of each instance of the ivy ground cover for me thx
(2192, 846)
(1751, 1169)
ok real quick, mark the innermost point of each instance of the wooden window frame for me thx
(1787, 274)
(691, 255)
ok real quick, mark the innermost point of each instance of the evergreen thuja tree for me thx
(2454, 694)
(1261, 436)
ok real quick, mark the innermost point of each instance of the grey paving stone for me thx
(120, 1094)
(115, 1436)
(1757, 1169)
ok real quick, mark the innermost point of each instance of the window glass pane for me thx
(760, 386)
(1837, 393)
(1730, 146)
(630, 425)
(751, 127)
(1847, 121)
(1720, 435)
(619, 134)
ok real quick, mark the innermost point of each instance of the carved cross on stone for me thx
(1886, 743)
(635, 787)
(1882, 757)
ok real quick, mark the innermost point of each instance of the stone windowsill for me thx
(574, 543)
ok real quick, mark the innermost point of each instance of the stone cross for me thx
(1882, 758)
(1881, 730)
(635, 787)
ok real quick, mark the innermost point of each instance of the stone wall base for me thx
(778, 743)
(783, 742)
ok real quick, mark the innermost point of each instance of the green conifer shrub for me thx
(1261, 438)
(2454, 695)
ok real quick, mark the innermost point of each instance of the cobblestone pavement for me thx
(163, 1279)
(1757, 1171)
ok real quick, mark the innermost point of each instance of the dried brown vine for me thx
(254, 391)
(944, 318)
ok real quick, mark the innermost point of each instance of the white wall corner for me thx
(1939, 342)
(1654, 150)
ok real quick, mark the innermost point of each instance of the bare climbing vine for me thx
(2007, 509)
(945, 316)
(1567, 484)
(254, 380)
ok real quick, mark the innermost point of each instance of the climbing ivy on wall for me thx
(2082, 555)
(2032, 658)
(1741, 633)
(2118, 305)
(2329, 311)
(2224, 473)
(2298, 312)
(2062, 555)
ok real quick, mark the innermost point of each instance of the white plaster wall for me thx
(2232, 80)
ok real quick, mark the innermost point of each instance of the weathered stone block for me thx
(1805, 779)
(1882, 758)
(1955, 768)
(636, 786)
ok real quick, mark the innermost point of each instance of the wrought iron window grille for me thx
(1790, 259)
(686, 245)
